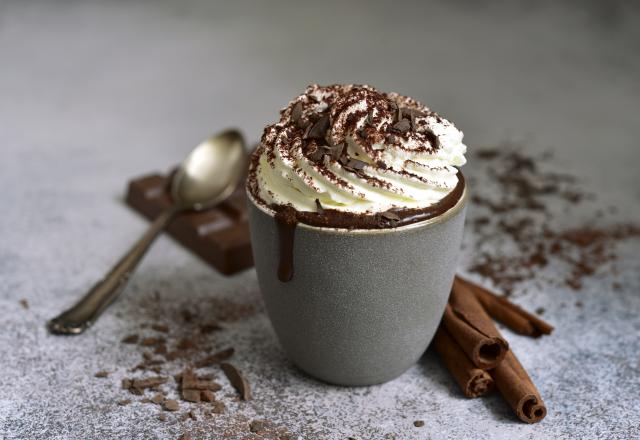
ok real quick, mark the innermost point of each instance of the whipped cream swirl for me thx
(353, 149)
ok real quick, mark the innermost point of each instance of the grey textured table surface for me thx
(92, 93)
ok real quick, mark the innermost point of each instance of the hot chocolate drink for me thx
(348, 156)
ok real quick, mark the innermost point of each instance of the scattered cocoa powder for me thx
(515, 205)
(189, 342)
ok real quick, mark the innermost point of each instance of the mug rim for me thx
(451, 212)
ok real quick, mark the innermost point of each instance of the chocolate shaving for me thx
(336, 151)
(215, 358)
(189, 381)
(319, 128)
(24, 303)
(432, 138)
(390, 215)
(317, 154)
(356, 164)
(102, 374)
(319, 207)
(237, 380)
(296, 114)
(402, 126)
(149, 382)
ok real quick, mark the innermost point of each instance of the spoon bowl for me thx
(210, 172)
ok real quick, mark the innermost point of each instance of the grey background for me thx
(92, 93)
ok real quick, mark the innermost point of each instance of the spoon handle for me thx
(82, 315)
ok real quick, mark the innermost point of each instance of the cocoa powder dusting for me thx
(516, 206)
(184, 379)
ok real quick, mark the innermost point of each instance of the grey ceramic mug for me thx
(363, 305)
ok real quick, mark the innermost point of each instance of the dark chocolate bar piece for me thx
(220, 235)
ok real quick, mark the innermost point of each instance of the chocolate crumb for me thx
(190, 381)
(192, 415)
(162, 417)
(237, 380)
(186, 314)
(102, 374)
(215, 358)
(171, 405)
(173, 355)
(24, 303)
(148, 382)
(540, 310)
(418, 423)
(131, 339)
(157, 399)
(160, 328)
(185, 436)
(126, 383)
(210, 327)
(186, 344)
(150, 342)
(124, 402)
(207, 396)
(191, 395)
(579, 304)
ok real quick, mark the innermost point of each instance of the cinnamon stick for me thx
(516, 386)
(473, 330)
(473, 381)
(506, 312)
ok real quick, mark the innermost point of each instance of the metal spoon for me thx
(206, 177)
